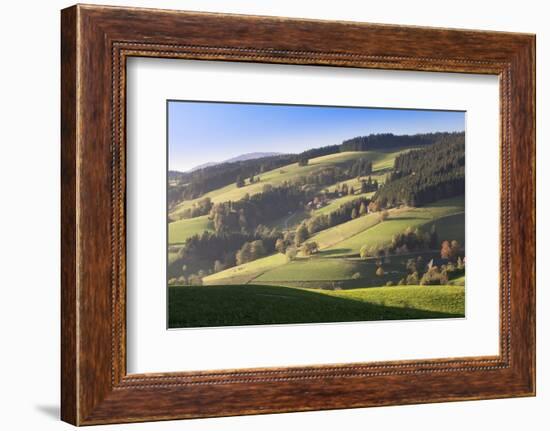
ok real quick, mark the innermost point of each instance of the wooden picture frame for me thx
(95, 43)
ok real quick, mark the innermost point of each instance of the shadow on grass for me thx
(204, 306)
(401, 218)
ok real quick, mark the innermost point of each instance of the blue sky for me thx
(201, 132)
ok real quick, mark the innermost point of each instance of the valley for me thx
(345, 236)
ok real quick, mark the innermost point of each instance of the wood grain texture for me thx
(69, 397)
(96, 41)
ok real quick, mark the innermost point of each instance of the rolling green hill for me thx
(290, 172)
(332, 267)
(180, 230)
(274, 177)
(384, 160)
(339, 273)
(333, 284)
(336, 234)
(246, 272)
(334, 204)
(448, 215)
(317, 272)
(191, 306)
(310, 269)
(450, 227)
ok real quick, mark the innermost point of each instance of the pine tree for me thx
(302, 234)
(434, 237)
(344, 189)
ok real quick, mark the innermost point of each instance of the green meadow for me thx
(447, 215)
(335, 203)
(251, 304)
(180, 230)
(274, 177)
(290, 172)
(333, 284)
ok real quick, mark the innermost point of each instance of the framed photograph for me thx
(266, 215)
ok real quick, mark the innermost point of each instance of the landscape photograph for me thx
(297, 214)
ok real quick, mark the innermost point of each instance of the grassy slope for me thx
(180, 230)
(245, 273)
(274, 177)
(341, 240)
(380, 176)
(399, 220)
(334, 204)
(444, 299)
(459, 281)
(347, 239)
(387, 159)
(450, 227)
(320, 273)
(304, 269)
(334, 235)
(256, 305)
(382, 162)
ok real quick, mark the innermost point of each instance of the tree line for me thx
(385, 141)
(211, 252)
(344, 213)
(196, 183)
(247, 213)
(418, 272)
(330, 175)
(191, 185)
(199, 208)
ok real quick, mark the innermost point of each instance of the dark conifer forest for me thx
(423, 176)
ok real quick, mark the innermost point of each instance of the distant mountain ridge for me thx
(204, 165)
(240, 158)
(250, 156)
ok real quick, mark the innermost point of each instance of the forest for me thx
(386, 141)
(423, 176)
